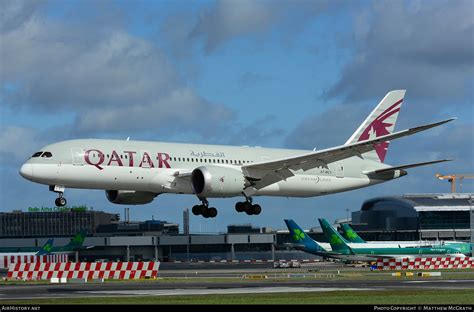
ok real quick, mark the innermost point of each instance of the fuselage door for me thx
(339, 171)
(77, 156)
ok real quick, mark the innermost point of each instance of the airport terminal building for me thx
(408, 217)
(416, 217)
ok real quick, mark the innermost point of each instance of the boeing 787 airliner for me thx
(135, 172)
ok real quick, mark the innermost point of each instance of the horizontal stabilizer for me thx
(384, 170)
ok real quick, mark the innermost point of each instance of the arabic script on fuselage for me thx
(207, 154)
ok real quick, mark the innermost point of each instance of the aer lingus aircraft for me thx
(27, 251)
(352, 237)
(370, 251)
(135, 172)
(339, 248)
(76, 244)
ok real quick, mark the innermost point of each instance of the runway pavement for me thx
(196, 287)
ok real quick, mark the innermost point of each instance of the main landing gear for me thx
(248, 207)
(211, 212)
(204, 210)
(60, 201)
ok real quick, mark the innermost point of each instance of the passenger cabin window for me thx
(47, 155)
(37, 154)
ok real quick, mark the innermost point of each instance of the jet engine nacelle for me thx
(130, 197)
(214, 181)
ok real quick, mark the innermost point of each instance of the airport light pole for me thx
(232, 252)
(471, 212)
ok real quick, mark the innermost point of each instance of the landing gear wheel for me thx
(256, 209)
(196, 210)
(204, 209)
(212, 212)
(247, 206)
(60, 202)
(239, 206)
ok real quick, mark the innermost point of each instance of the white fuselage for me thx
(162, 167)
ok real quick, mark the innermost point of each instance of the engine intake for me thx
(130, 197)
(217, 181)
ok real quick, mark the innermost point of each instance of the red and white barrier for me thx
(6, 260)
(83, 270)
(430, 263)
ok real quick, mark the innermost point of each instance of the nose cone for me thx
(26, 171)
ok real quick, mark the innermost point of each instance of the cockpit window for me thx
(37, 154)
(47, 154)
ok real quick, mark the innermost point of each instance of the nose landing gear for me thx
(60, 201)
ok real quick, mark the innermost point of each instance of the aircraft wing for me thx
(265, 173)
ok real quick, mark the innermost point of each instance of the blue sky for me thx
(290, 74)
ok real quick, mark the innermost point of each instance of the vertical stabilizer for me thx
(298, 236)
(350, 234)
(381, 121)
(77, 240)
(46, 248)
(337, 242)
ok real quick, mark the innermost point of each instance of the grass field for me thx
(442, 296)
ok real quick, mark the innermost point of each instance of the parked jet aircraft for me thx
(135, 172)
(352, 237)
(340, 249)
(76, 243)
(368, 251)
(27, 251)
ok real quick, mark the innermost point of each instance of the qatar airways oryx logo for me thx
(98, 159)
(379, 127)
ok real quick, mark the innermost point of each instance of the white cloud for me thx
(17, 144)
(109, 78)
(427, 49)
(178, 110)
(230, 19)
